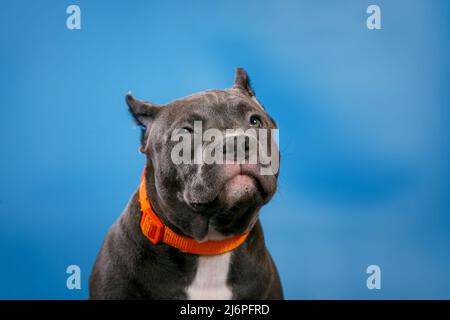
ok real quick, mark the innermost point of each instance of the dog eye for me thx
(187, 130)
(255, 121)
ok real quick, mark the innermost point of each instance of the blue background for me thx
(363, 117)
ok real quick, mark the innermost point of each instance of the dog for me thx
(192, 231)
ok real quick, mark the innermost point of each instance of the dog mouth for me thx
(239, 185)
(239, 188)
(252, 172)
(208, 207)
(234, 199)
(244, 183)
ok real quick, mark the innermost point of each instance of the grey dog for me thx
(204, 202)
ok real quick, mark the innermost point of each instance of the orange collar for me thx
(155, 231)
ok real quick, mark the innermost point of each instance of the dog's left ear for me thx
(242, 82)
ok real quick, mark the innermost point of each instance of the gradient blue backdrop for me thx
(364, 132)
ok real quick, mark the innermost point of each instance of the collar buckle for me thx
(153, 229)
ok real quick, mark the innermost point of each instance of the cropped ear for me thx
(242, 82)
(143, 112)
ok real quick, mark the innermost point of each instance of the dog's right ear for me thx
(143, 112)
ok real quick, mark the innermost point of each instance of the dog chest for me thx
(210, 280)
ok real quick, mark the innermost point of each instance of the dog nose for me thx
(238, 147)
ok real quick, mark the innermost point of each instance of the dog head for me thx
(204, 199)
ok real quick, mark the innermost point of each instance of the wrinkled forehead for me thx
(212, 104)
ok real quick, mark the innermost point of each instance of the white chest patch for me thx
(210, 281)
